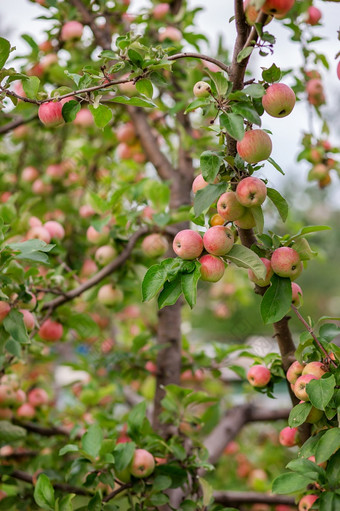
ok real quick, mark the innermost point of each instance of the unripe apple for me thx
(296, 294)
(4, 310)
(199, 183)
(26, 411)
(258, 376)
(109, 295)
(269, 273)
(318, 172)
(277, 6)
(142, 464)
(251, 191)
(105, 254)
(55, 229)
(38, 397)
(201, 89)
(29, 174)
(314, 15)
(247, 221)
(84, 118)
(188, 244)
(28, 304)
(229, 208)
(255, 146)
(317, 369)
(216, 220)
(300, 386)
(286, 262)
(212, 268)
(279, 100)
(154, 245)
(29, 320)
(171, 33)
(325, 181)
(50, 113)
(126, 132)
(71, 30)
(289, 436)
(38, 233)
(51, 330)
(218, 240)
(160, 11)
(294, 371)
(94, 236)
(307, 501)
(314, 415)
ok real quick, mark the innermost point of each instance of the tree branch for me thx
(43, 430)
(15, 123)
(64, 487)
(234, 498)
(102, 34)
(116, 492)
(200, 56)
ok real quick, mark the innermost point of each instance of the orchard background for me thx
(156, 351)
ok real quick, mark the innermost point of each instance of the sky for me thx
(20, 16)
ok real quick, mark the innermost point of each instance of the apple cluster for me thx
(129, 146)
(299, 375)
(276, 8)
(314, 88)
(319, 155)
(15, 402)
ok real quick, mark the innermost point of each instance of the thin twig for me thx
(200, 56)
(113, 494)
(68, 488)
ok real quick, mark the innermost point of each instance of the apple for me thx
(28, 304)
(26, 411)
(216, 220)
(251, 191)
(269, 273)
(40, 188)
(29, 174)
(300, 386)
(294, 371)
(218, 240)
(55, 171)
(314, 15)
(314, 87)
(296, 294)
(317, 369)
(323, 464)
(199, 183)
(86, 211)
(4, 310)
(252, 13)
(307, 501)
(71, 30)
(55, 229)
(229, 208)
(126, 132)
(39, 233)
(325, 181)
(20, 397)
(286, 262)
(171, 33)
(255, 146)
(246, 221)
(318, 172)
(94, 236)
(188, 244)
(50, 113)
(105, 254)
(279, 100)
(289, 436)
(84, 118)
(160, 11)
(34, 221)
(48, 60)
(314, 415)
(51, 330)
(258, 376)
(46, 46)
(124, 151)
(277, 6)
(154, 245)
(212, 268)
(89, 268)
(29, 320)
(109, 295)
(201, 89)
(7, 395)
(38, 397)
(128, 88)
(142, 464)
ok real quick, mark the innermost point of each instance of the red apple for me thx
(251, 191)
(258, 376)
(26, 411)
(55, 229)
(296, 294)
(307, 501)
(126, 132)
(317, 369)
(4, 310)
(86, 211)
(279, 100)
(300, 386)
(55, 171)
(71, 30)
(38, 397)
(171, 33)
(277, 6)
(29, 320)
(229, 208)
(84, 118)
(199, 183)
(105, 254)
(314, 15)
(94, 236)
(188, 244)
(312, 458)
(38, 233)
(212, 268)
(50, 113)
(160, 11)
(29, 174)
(51, 330)
(154, 245)
(109, 295)
(142, 464)
(294, 371)
(289, 436)
(269, 273)
(286, 262)
(218, 240)
(255, 146)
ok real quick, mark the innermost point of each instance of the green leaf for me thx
(65, 503)
(153, 281)
(136, 58)
(275, 165)
(279, 202)
(328, 501)
(243, 54)
(137, 416)
(288, 483)
(302, 247)
(124, 100)
(31, 86)
(198, 103)
(14, 325)
(205, 197)
(247, 111)
(277, 300)
(70, 110)
(223, 86)
(92, 440)
(83, 324)
(328, 444)
(307, 468)
(234, 125)
(207, 491)
(159, 499)
(255, 90)
(246, 258)
(95, 503)
(32, 250)
(210, 163)
(10, 433)
(170, 293)
(258, 217)
(4, 51)
(102, 115)
(144, 86)
(299, 414)
(329, 330)
(333, 471)
(161, 483)
(68, 448)
(189, 286)
(320, 392)
(44, 493)
(123, 455)
(272, 74)
(308, 230)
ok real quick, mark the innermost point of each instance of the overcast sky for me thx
(20, 16)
